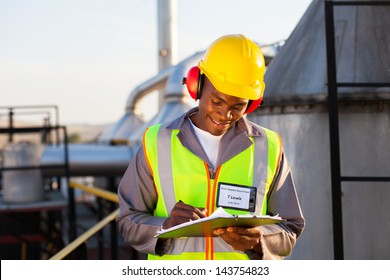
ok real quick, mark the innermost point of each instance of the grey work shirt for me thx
(138, 197)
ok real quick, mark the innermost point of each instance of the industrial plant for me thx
(327, 94)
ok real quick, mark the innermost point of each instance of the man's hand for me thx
(240, 238)
(182, 213)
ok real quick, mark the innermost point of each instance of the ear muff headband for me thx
(194, 82)
(200, 86)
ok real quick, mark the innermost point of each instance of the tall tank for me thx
(295, 105)
(21, 185)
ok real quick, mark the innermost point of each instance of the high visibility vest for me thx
(180, 175)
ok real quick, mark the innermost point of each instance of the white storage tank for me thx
(24, 185)
(295, 105)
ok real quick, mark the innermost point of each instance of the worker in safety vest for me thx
(210, 157)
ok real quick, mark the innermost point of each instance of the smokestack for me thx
(167, 35)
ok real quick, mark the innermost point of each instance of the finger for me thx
(188, 214)
(238, 241)
(200, 212)
(234, 243)
(219, 231)
(251, 231)
(176, 219)
(182, 209)
(182, 213)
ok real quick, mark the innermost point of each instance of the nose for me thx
(226, 113)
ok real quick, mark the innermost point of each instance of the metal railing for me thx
(97, 227)
(333, 85)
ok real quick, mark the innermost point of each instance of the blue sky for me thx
(85, 56)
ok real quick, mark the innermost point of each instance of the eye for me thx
(216, 102)
(238, 108)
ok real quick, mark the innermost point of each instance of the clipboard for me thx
(219, 219)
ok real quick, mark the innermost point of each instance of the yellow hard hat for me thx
(235, 66)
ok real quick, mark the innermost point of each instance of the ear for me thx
(194, 82)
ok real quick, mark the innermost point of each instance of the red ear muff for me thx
(253, 104)
(194, 82)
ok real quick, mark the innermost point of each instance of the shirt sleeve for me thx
(137, 201)
(278, 240)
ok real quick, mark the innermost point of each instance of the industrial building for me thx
(327, 94)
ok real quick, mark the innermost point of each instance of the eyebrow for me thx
(221, 99)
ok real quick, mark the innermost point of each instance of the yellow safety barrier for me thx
(96, 191)
(97, 227)
(85, 236)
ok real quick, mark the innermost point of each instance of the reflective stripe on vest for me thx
(180, 175)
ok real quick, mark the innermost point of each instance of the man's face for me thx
(217, 111)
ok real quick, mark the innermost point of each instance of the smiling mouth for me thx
(220, 124)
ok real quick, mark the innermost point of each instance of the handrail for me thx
(97, 227)
(85, 236)
(96, 191)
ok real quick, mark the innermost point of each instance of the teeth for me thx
(218, 123)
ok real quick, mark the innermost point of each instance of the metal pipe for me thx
(167, 36)
(338, 246)
(87, 160)
(11, 125)
(167, 33)
(154, 83)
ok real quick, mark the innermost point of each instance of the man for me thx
(178, 173)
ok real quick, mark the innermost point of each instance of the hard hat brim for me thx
(226, 87)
